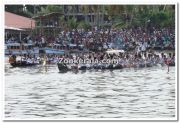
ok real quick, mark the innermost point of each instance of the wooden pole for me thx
(20, 36)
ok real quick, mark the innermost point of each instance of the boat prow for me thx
(63, 68)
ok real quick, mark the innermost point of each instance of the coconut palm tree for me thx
(85, 10)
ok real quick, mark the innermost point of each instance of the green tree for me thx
(85, 25)
(49, 9)
(72, 23)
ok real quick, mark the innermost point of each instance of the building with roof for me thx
(16, 25)
(48, 24)
(51, 24)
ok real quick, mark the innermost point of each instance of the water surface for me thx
(39, 92)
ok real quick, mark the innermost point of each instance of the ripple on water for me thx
(40, 92)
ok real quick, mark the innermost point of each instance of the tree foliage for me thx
(49, 9)
(85, 25)
(143, 15)
(72, 23)
(120, 16)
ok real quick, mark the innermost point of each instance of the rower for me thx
(12, 59)
(29, 60)
(18, 59)
(23, 58)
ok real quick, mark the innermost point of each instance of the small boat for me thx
(14, 63)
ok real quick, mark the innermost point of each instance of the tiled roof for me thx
(17, 21)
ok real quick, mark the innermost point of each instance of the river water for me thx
(40, 92)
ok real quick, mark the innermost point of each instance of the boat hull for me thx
(171, 64)
(23, 64)
(63, 68)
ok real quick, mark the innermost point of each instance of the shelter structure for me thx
(48, 24)
(17, 26)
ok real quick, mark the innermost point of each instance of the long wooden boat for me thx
(23, 64)
(64, 68)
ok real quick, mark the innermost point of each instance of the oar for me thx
(44, 62)
(168, 65)
(168, 68)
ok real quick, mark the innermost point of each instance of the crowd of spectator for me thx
(101, 39)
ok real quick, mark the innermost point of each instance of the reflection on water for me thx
(39, 92)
